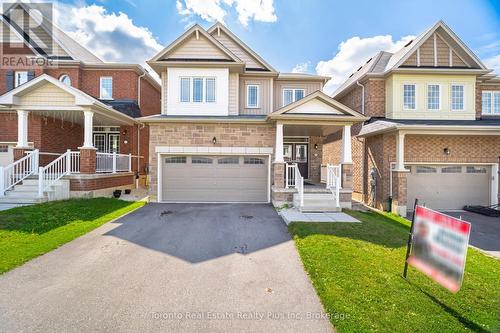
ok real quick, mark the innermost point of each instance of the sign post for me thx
(437, 246)
(410, 235)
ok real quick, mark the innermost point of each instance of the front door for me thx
(297, 153)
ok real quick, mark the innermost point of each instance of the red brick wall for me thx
(100, 183)
(150, 99)
(8, 127)
(374, 98)
(124, 83)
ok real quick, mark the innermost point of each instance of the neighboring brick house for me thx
(233, 129)
(40, 107)
(434, 132)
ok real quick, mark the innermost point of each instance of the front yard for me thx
(356, 270)
(28, 232)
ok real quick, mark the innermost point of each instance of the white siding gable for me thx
(197, 48)
(218, 108)
(314, 107)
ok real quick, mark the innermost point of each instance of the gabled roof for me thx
(326, 107)
(243, 48)
(384, 62)
(81, 99)
(196, 29)
(72, 48)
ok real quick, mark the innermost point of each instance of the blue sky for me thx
(288, 33)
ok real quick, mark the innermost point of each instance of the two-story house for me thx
(233, 129)
(434, 132)
(58, 96)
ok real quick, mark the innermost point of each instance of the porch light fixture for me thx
(446, 151)
(214, 140)
(316, 146)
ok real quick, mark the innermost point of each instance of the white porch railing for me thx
(333, 182)
(106, 162)
(16, 172)
(65, 164)
(294, 179)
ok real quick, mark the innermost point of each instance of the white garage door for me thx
(6, 154)
(449, 186)
(215, 178)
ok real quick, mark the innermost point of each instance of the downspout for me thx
(139, 87)
(362, 97)
(139, 127)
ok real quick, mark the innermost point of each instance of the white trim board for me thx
(214, 150)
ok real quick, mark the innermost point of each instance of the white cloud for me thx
(111, 36)
(216, 10)
(301, 68)
(352, 54)
(493, 63)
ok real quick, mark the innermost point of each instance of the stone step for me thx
(318, 209)
(21, 200)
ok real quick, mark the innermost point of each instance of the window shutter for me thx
(31, 75)
(9, 81)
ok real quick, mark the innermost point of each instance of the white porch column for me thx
(279, 144)
(22, 128)
(88, 127)
(346, 145)
(400, 152)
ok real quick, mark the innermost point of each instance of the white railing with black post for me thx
(333, 181)
(16, 172)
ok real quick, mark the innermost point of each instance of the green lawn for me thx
(357, 272)
(30, 231)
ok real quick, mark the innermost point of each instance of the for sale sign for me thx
(439, 247)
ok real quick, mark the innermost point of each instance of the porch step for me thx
(316, 202)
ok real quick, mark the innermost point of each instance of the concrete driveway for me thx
(175, 267)
(485, 232)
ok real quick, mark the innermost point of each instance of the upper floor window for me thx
(252, 96)
(433, 97)
(20, 78)
(106, 87)
(65, 79)
(292, 95)
(197, 90)
(491, 102)
(409, 93)
(457, 97)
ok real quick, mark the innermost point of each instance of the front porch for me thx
(302, 174)
(54, 164)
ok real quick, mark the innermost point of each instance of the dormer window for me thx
(197, 90)
(292, 95)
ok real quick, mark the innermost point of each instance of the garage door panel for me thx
(226, 178)
(449, 187)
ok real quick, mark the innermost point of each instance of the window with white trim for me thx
(457, 97)
(292, 95)
(409, 93)
(197, 90)
(491, 102)
(252, 96)
(20, 78)
(433, 97)
(210, 90)
(185, 89)
(106, 87)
